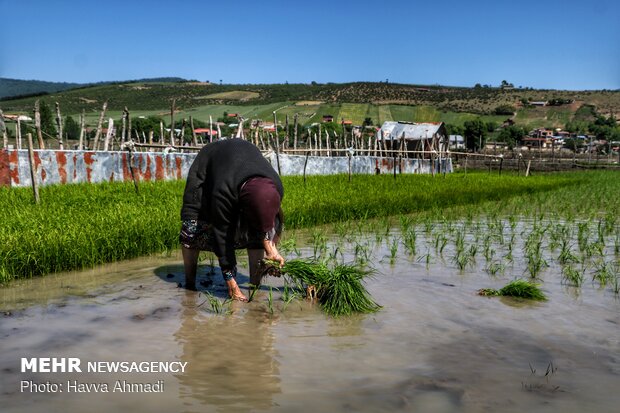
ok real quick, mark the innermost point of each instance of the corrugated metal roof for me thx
(413, 131)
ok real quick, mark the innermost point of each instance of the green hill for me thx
(352, 101)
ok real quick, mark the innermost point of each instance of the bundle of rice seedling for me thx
(517, 288)
(339, 289)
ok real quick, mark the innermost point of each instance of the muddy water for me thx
(434, 347)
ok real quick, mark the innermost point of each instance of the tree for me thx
(48, 121)
(368, 122)
(72, 129)
(454, 129)
(511, 135)
(475, 134)
(505, 110)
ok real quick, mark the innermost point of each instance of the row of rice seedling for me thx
(78, 226)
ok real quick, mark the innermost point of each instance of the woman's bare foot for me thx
(234, 292)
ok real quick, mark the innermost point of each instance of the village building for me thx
(457, 142)
(328, 118)
(424, 138)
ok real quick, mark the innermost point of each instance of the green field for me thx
(352, 101)
(78, 226)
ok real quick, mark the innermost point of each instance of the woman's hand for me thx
(271, 252)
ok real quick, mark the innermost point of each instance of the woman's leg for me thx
(254, 258)
(190, 262)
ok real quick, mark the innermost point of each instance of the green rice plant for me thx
(393, 249)
(489, 253)
(426, 258)
(340, 289)
(289, 246)
(535, 264)
(336, 251)
(495, 268)
(405, 223)
(603, 274)
(566, 256)
(319, 243)
(216, 306)
(253, 290)
(473, 250)
(594, 249)
(270, 305)
(409, 241)
(571, 276)
(583, 233)
(83, 225)
(517, 288)
(462, 260)
(362, 253)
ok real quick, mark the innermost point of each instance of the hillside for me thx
(355, 101)
(16, 87)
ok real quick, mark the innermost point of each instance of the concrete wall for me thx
(320, 165)
(61, 167)
(54, 167)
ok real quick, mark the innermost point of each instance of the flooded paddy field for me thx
(435, 346)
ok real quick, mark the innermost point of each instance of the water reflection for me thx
(231, 360)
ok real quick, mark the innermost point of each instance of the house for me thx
(540, 133)
(347, 122)
(328, 118)
(456, 142)
(419, 137)
(537, 143)
(205, 132)
(539, 103)
(232, 115)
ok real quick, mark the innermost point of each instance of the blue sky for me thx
(542, 44)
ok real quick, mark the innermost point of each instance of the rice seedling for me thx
(289, 246)
(270, 301)
(566, 256)
(582, 235)
(571, 276)
(319, 243)
(409, 241)
(495, 268)
(405, 223)
(362, 254)
(216, 306)
(462, 260)
(393, 249)
(517, 288)
(473, 250)
(83, 225)
(603, 274)
(339, 288)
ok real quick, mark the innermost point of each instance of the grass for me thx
(517, 288)
(78, 226)
(339, 288)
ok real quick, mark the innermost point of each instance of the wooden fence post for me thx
(108, 135)
(295, 132)
(210, 129)
(172, 140)
(37, 124)
(99, 126)
(5, 137)
(82, 130)
(33, 175)
(59, 126)
(194, 138)
(18, 133)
